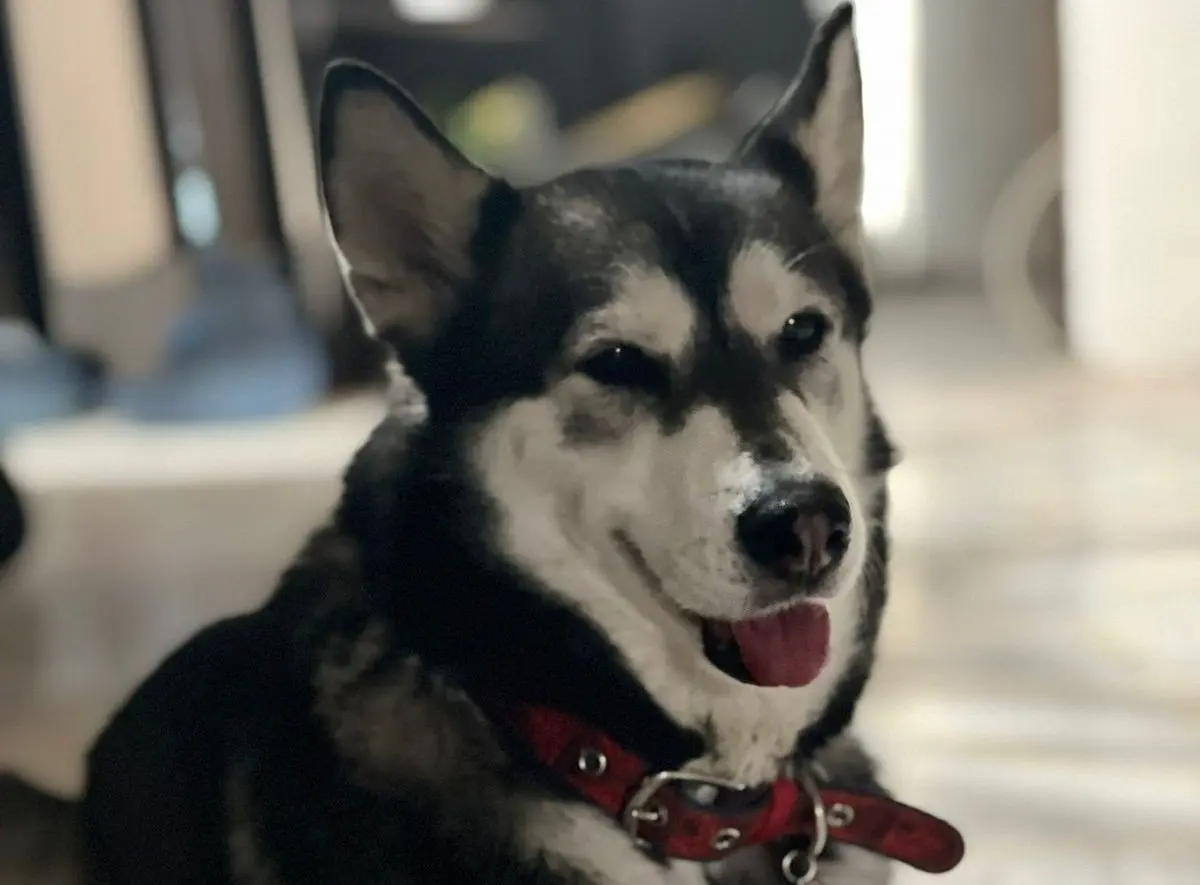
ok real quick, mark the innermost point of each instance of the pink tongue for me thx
(785, 649)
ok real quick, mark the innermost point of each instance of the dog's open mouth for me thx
(786, 648)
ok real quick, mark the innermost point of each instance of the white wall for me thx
(988, 81)
(887, 33)
(958, 94)
(1131, 95)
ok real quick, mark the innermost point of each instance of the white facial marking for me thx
(765, 288)
(649, 310)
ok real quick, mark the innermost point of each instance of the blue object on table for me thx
(39, 383)
(241, 350)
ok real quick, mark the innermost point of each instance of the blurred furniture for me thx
(231, 115)
(101, 218)
(37, 381)
(176, 142)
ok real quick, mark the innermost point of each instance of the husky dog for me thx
(646, 494)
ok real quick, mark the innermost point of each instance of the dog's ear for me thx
(403, 206)
(813, 136)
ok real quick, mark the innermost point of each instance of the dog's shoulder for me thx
(301, 740)
(151, 808)
(155, 804)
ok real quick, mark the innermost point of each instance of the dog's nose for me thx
(799, 531)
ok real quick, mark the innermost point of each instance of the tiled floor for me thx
(1040, 678)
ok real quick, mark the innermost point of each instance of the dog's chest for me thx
(684, 873)
(573, 838)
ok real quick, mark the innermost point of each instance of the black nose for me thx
(799, 531)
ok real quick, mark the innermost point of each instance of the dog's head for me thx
(653, 371)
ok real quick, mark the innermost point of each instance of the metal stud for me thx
(726, 839)
(655, 815)
(591, 762)
(839, 815)
(702, 794)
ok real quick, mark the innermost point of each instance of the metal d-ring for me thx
(796, 876)
(788, 865)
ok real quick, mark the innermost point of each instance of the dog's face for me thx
(654, 371)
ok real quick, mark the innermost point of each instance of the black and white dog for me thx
(603, 614)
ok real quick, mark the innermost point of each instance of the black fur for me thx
(39, 835)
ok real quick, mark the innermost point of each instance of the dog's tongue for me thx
(788, 648)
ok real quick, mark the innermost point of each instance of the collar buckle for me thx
(642, 809)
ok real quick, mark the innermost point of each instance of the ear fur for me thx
(403, 207)
(814, 133)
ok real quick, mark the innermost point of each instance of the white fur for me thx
(855, 866)
(650, 310)
(573, 838)
(766, 287)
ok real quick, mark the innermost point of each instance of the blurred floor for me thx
(1039, 681)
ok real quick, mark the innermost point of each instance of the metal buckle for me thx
(789, 865)
(641, 806)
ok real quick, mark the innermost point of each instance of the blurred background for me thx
(181, 381)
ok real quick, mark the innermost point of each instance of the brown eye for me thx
(626, 367)
(802, 335)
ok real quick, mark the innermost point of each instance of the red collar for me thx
(667, 812)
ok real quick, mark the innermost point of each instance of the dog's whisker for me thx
(794, 261)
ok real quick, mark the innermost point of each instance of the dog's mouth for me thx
(785, 648)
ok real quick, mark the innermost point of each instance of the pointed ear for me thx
(814, 134)
(403, 207)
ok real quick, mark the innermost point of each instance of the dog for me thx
(601, 612)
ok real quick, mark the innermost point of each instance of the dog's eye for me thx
(628, 367)
(802, 335)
